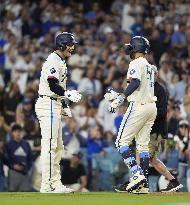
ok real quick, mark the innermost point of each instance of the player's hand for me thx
(66, 111)
(111, 94)
(73, 95)
(18, 167)
(116, 103)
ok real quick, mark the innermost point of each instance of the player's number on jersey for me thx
(150, 75)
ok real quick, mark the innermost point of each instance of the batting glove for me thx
(116, 103)
(111, 95)
(73, 95)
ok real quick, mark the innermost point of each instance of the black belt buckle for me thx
(52, 98)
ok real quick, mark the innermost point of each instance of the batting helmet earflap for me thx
(137, 43)
(64, 39)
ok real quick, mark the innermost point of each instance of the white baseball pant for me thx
(49, 115)
(137, 123)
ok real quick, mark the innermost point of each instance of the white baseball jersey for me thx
(54, 67)
(142, 70)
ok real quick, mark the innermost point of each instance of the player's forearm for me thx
(55, 87)
(133, 85)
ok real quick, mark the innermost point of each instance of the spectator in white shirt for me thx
(90, 85)
(21, 70)
(77, 62)
(165, 72)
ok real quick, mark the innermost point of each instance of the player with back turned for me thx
(140, 115)
(50, 107)
(158, 133)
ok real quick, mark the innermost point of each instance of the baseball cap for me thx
(78, 154)
(183, 122)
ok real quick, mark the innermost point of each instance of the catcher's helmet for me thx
(137, 43)
(64, 39)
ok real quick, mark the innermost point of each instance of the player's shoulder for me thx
(55, 58)
(138, 62)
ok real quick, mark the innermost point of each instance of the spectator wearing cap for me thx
(182, 142)
(19, 157)
(73, 174)
(24, 111)
(179, 89)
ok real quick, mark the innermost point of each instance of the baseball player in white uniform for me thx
(140, 115)
(50, 107)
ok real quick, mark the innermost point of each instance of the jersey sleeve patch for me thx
(132, 72)
(52, 70)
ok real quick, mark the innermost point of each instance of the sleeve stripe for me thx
(131, 78)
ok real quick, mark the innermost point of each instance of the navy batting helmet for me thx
(137, 43)
(64, 39)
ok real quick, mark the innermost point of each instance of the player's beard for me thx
(69, 51)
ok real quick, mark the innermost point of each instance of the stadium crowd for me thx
(90, 159)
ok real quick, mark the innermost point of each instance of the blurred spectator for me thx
(73, 174)
(165, 72)
(174, 81)
(32, 136)
(70, 137)
(186, 102)
(22, 69)
(2, 161)
(179, 89)
(95, 145)
(19, 157)
(188, 168)
(109, 139)
(182, 142)
(11, 100)
(90, 85)
(2, 92)
(170, 154)
(119, 117)
(179, 40)
(174, 116)
(105, 118)
(25, 111)
(78, 62)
